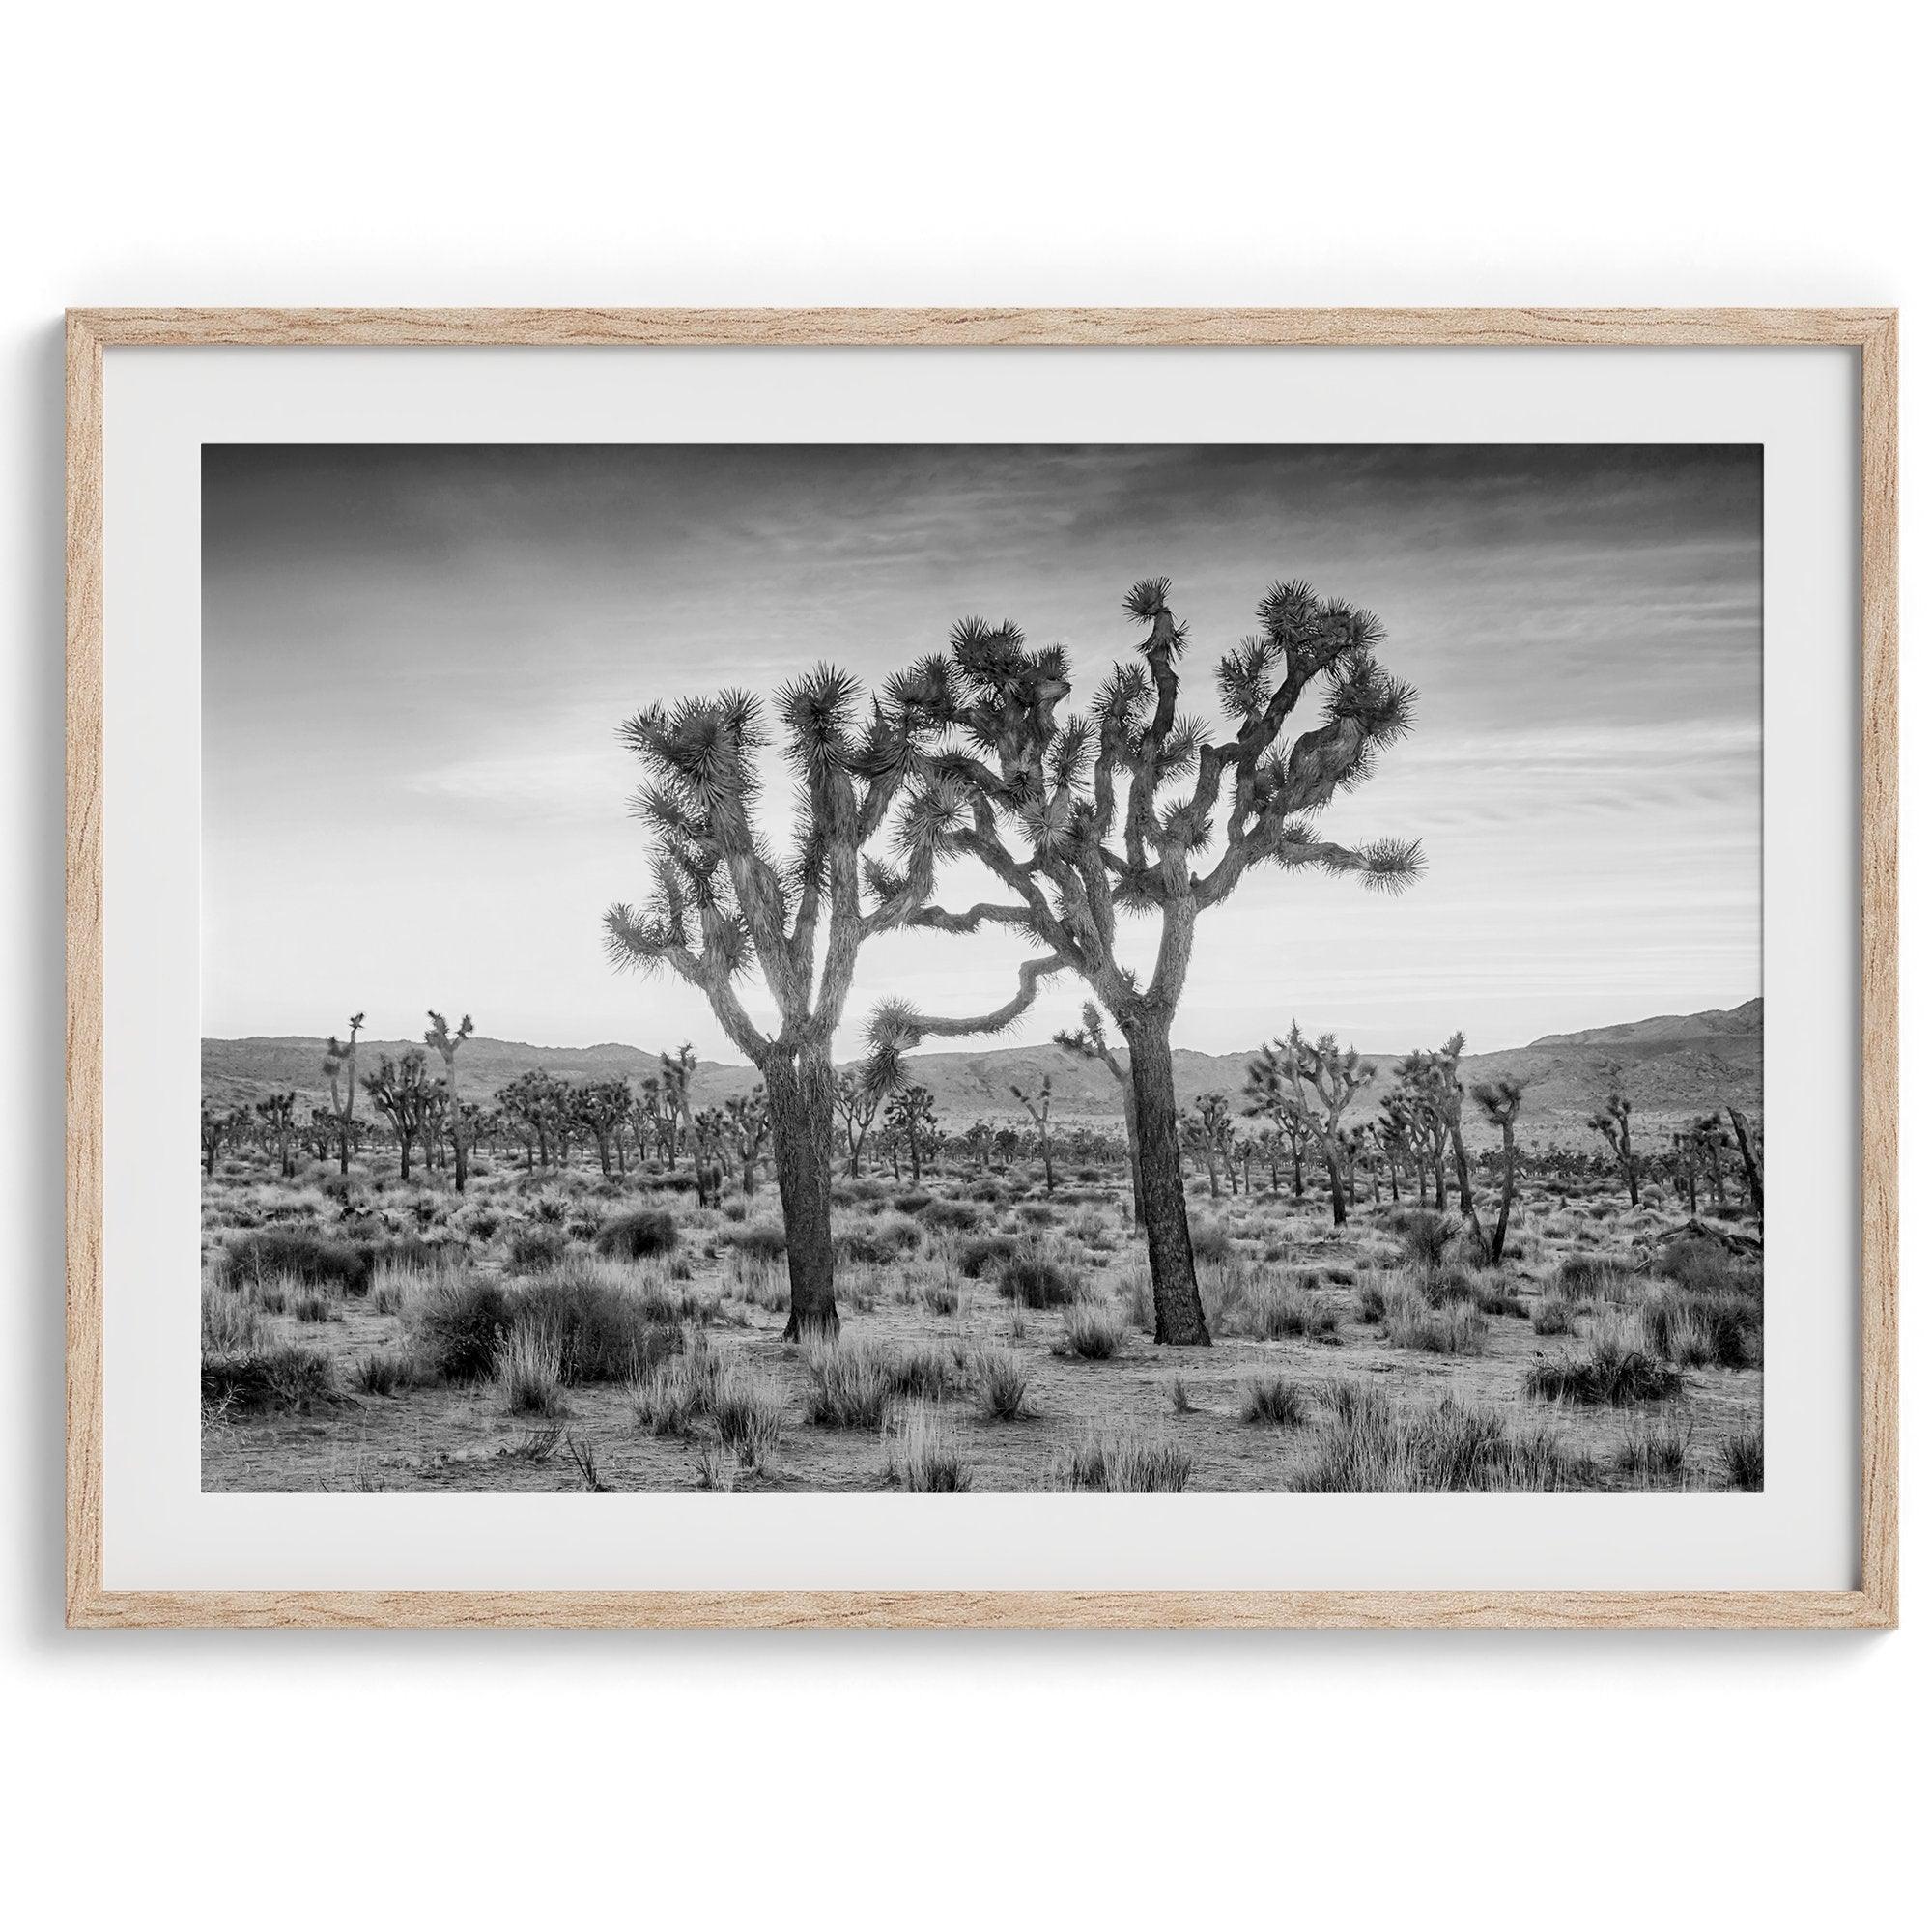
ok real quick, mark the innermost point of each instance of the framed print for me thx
(1066, 967)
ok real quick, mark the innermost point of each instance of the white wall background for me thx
(408, 154)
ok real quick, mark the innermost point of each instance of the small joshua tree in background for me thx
(339, 1066)
(1747, 1154)
(858, 1098)
(220, 1125)
(914, 1124)
(748, 1126)
(277, 1114)
(1710, 1140)
(1614, 1124)
(1314, 1081)
(1499, 1100)
(447, 1043)
(1215, 1123)
(1040, 1110)
(604, 1108)
(399, 1090)
(1089, 1042)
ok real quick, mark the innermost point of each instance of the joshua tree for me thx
(914, 1124)
(1710, 1140)
(277, 1114)
(445, 1043)
(748, 1126)
(399, 1090)
(1312, 1082)
(674, 1076)
(1499, 1100)
(338, 1064)
(538, 1106)
(856, 1098)
(1270, 1092)
(1216, 1127)
(979, 1138)
(1040, 1110)
(1088, 1040)
(1096, 834)
(721, 905)
(1748, 1154)
(216, 1128)
(1684, 1154)
(1614, 1124)
(603, 1107)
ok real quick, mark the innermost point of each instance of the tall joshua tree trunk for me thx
(1178, 1313)
(800, 1089)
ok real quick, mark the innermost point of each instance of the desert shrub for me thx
(382, 1374)
(1498, 1301)
(1213, 1241)
(1698, 1263)
(884, 1237)
(1441, 1286)
(1594, 1278)
(1743, 1459)
(986, 1254)
(1616, 1373)
(680, 1180)
(532, 1249)
(1372, 1301)
(1552, 1316)
(1412, 1324)
(230, 1324)
(923, 1374)
(1655, 1450)
(288, 1376)
(1721, 1332)
(1037, 1213)
(765, 1240)
(849, 1191)
(1179, 1399)
(312, 1304)
(1241, 1299)
(530, 1368)
(1002, 1379)
(1425, 1236)
(307, 1257)
(480, 1223)
(912, 1201)
(1090, 1333)
(1372, 1445)
(668, 1398)
(635, 1237)
(455, 1328)
(1033, 1281)
(1273, 1399)
(749, 1413)
(604, 1334)
(850, 1385)
(960, 1216)
(923, 1454)
(942, 1297)
(1128, 1461)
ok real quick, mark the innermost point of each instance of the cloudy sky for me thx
(416, 658)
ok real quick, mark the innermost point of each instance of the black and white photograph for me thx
(971, 968)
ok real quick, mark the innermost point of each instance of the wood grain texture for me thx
(1874, 1605)
(1040, 328)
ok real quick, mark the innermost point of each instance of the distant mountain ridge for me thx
(1669, 1066)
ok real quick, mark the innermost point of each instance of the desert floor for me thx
(368, 1335)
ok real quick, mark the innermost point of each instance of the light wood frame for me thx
(1872, 332)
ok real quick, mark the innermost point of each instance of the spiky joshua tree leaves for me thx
(724, 906)
(1136, 809)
